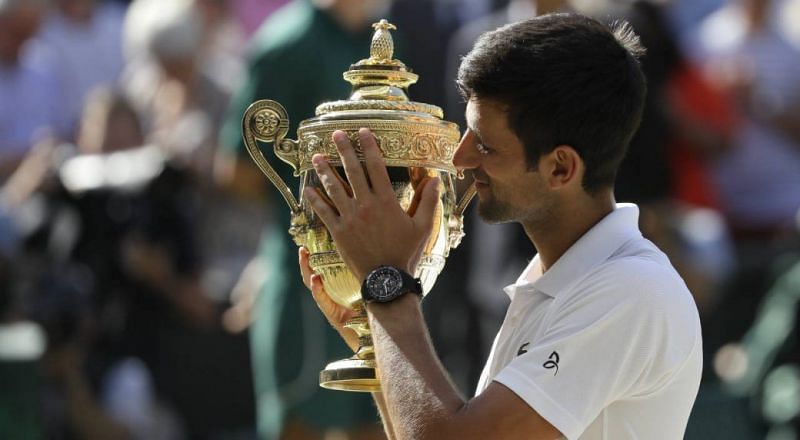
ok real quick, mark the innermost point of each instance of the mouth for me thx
(480, 182)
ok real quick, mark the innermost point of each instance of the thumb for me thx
(423, 217)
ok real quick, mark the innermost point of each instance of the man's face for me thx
(508, 190)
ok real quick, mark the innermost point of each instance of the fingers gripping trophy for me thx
(416, 144)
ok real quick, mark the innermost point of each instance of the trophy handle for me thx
(465, 199)
(267, 121)
(456, 221)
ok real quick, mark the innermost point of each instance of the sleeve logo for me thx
(552, 362)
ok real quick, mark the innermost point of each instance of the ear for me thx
(563, 167)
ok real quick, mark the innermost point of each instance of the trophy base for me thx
(352, 374)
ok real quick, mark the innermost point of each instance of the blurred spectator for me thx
(115, 277)
(684, 16)
(167, 83)
(175, 50)
(30, 95)
(224, 43)
(749, 57)
(297, 58)
(686, 124)
(85, 38)
(111, 268)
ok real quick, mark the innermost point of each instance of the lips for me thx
(480, 180)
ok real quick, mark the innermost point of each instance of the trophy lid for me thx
(380, 82)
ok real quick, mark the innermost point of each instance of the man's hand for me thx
(336, 314)
(366, 221)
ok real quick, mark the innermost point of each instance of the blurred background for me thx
(148, 287)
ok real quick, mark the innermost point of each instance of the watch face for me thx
(384, 284)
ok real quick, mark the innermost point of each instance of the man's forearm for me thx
(418, 394)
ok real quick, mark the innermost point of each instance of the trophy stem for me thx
(359, 372)
(360, 325)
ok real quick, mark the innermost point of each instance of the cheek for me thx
(529, 186)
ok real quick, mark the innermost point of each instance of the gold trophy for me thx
(415, 142)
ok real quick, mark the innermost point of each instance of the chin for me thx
(493, 213)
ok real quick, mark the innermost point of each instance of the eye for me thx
(482, 149)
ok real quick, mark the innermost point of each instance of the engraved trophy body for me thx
(415, 142)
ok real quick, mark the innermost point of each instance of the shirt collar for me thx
(593, 248)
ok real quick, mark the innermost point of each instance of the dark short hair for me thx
(566, 79)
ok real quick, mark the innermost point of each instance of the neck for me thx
(568, 224)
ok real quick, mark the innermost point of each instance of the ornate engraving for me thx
(309, 145)
(393, 144)
(266, 123)
(323, 259)
(403, 142)
(379, 104)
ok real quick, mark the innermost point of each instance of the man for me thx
(602, 338)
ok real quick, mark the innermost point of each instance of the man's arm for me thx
(420, 401)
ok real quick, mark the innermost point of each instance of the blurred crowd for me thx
(148, 287)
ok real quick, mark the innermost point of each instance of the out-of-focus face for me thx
(757, 10)
(78, 10)
(16, 28)
(122, 131)
(107, 126)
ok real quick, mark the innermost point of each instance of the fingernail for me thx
(339, 136)
(317, 160)
(366, 133)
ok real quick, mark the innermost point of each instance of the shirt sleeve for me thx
(620, 336)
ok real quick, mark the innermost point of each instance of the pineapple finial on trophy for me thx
(382, 47)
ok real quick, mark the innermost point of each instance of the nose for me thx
(466, 156)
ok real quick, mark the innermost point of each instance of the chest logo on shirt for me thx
(522, 349)
(552, 362)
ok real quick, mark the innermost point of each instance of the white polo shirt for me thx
(606, 344)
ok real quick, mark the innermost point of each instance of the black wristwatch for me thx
(387, 283)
